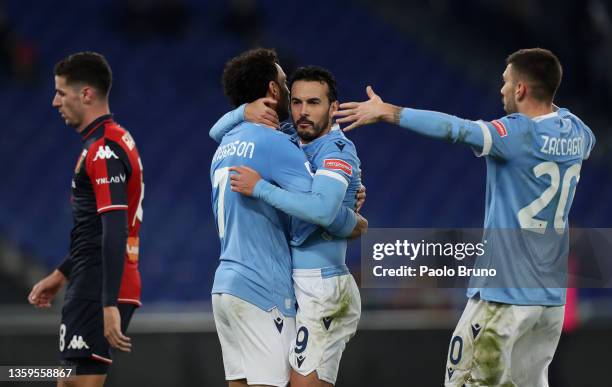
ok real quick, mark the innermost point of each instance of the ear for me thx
(520, 91)
(334, 106)
(274, 90)
(87, 95)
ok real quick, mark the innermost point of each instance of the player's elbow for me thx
(214, 135)
(324, 215)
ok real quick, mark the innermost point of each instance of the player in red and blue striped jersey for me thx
(107, 192)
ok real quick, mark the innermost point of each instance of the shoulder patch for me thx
(500, 127)
(340, 145)
(339, 165)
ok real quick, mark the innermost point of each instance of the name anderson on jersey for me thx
(239, 148)
(561, 146)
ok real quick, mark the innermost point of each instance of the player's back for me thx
(255, 262)
(531, 180)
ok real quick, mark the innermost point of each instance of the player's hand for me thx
(112, 330)
(243, 180)
(262, 112)
(44, 290)
(361, 228)
(368, 112)
(361, 197)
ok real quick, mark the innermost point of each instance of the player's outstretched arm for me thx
(320, 206)
(45, 290)
(260, 111)
(425, 122)
(369, 112)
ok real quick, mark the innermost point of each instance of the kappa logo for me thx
(339, 165)
(77, 343)
(105, 152)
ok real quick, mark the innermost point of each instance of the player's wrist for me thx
(391, 114)
(59, 276)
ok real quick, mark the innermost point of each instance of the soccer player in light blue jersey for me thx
(253, 297)
(510, 328)
(327, 295)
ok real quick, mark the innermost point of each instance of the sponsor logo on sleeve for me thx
(110, 180)
(128, 140)
(500, 127)
(338, 165)
(105, 152)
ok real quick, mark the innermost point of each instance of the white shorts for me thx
(254, 343)
(327, 317)
(500, 344)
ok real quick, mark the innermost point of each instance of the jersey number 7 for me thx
(220, 181)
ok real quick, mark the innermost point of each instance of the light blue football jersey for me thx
(336, 156)
(533, 168)
(255, 260)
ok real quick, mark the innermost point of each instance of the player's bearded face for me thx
(507, 91)
(67, 101)
(310, 109)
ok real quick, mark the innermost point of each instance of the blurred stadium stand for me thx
(167, 92)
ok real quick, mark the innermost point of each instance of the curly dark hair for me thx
(315, 73)
(541, 68)
(246, 77)
(89, 68)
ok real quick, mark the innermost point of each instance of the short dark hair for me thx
(90, 68)
(317, 74)
(246, 77)
(541, 68)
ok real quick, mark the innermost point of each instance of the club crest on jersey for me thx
(105, 152)
(80, 162)
(339, 165)
(500, 127)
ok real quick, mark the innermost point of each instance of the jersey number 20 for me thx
(526, 215)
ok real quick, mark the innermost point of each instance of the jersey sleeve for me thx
(589, 142)
(108, 167)
(504, 138)
(315, 200)
(227, 123)
(340, 162)
(500, 138)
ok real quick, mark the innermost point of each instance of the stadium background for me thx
(167, 57)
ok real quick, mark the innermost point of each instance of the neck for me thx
(92, 114)
(535, 110)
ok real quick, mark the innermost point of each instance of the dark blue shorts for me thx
(81, 340)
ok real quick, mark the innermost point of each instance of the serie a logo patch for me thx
(500, 127)
(339, 165)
